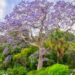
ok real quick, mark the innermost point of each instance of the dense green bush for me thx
(17, 71)
(56, 69)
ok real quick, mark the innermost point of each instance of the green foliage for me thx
(15, 50)
(32, 65)
(52, 58)
(67, 59)
(66, 35)
(34, 72)
(73, 46)
(20, 70)
(37, 72)
(57, 40)
(62, 42)
(42, 72)
(2, 72)
(56, 69)
(1, 49)
(21, 57)
(25, 52)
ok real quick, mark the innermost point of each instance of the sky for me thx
(6, 6)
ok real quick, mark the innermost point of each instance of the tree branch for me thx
(33, 44)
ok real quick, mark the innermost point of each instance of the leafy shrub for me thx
(25, 52)
(17, 71)
(56, 69)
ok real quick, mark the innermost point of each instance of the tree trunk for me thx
(58, 55)
(40, 62)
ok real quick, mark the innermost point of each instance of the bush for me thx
(56, 69)
(17, 71)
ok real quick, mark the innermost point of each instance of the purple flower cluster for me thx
(6, 51)
(43, 51)
(7, 59)
(28, 16)
(45, 59)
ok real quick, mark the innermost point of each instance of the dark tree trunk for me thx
(58, 56)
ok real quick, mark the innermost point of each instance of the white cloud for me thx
(2, 8)
(2, 3)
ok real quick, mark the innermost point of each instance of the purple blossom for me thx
(45, 59)
(7, 59)
(6, 51)
(43, 51)
(61, 4)
(4, 44)
(0, 43)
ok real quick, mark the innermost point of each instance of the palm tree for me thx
(57, 42)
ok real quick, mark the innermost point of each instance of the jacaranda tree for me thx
(32, 22)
